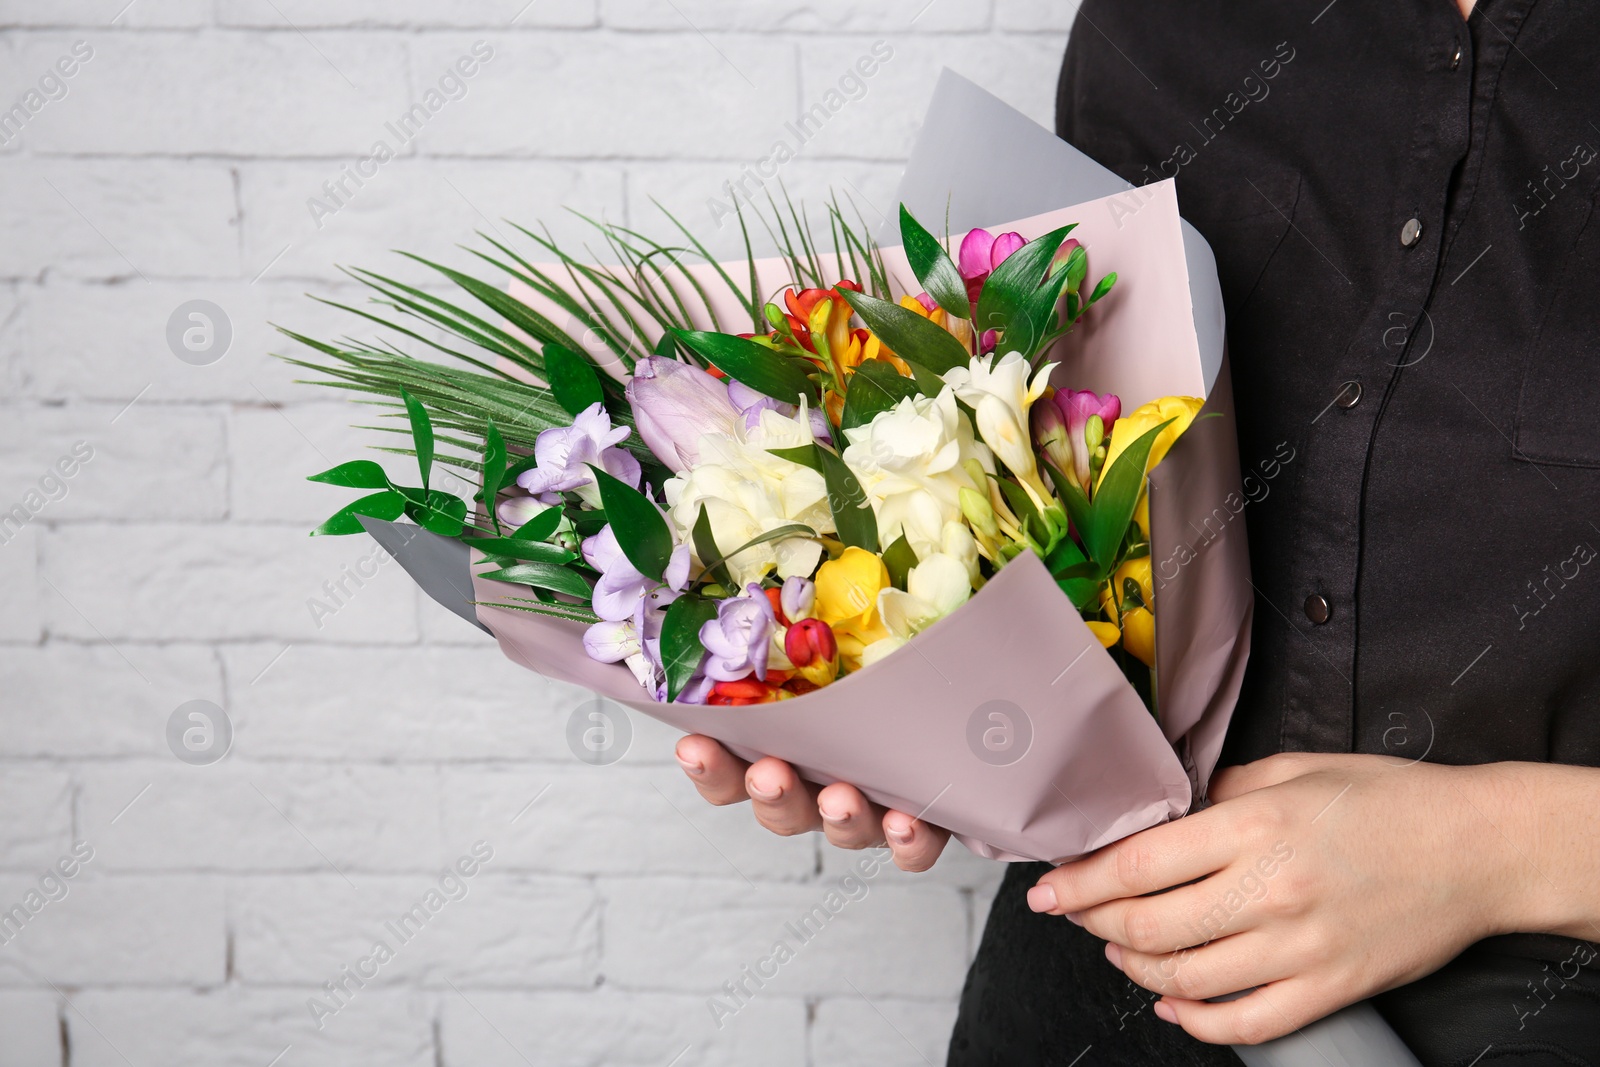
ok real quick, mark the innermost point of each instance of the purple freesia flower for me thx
(737, 640)
(565, 453)
(1079, 406)
(674, 404)
(632, 608)
(751, 403)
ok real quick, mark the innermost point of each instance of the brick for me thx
(235, 815)
(604, 95)
(616, 819)
(149, 461)
(35, 817)
(76, 701)
(423, 704)
(883, 1032)
(128, 929)
(900, 940)
(275, 448)
(23, 617)
(238, 1027)
(884, 120)
(102, 15)
(32, 1027)
(609, 1028)
(212, 582)
(424, 206)
(816, 16)
(504, 931)
(499, 15)
(1034, 16)
(124, 219)
(330, 93)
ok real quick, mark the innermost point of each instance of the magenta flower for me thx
(737, 640)
(565, 454)
(1089, 419)
(674, 404)
(981, 252)
(1048, 425)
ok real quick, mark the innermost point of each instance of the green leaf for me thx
(549, 576)
(853, 519)
(755, 365)
(386, 505)
(1116, 497)
(1077, 267)
(909, 335)
(681, 649)
(928, 382)
(521, 548)
(640, 529)
(1030, 327)
(540, 527)
(1103, 287)
(875, 387)
(443, 513)
(1072, 497)
(1023, 505)
(933, 267)
(357, 474)
(494, 470)
(421, 434)
(899, 558)
(573, 379)
(705, 546)
(1015, 279)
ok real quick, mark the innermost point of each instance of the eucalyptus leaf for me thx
(933, 267)
(357, 474)
(572, 377)
(641, 531)
(386, 505)
(681, 650)
(910, 336)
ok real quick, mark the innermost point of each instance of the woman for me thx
(1400, 197)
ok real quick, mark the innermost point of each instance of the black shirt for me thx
(1401, 203)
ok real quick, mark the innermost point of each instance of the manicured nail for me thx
(1165, 1013)
(762, 794)
(1075, 918)
(1042, 897)
(692, 768)
(1114, 954)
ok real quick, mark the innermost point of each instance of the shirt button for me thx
(1350, 395)
(1317, 609)
(1455, 60)
(1410, 232)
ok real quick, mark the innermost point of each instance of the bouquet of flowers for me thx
(859, 507)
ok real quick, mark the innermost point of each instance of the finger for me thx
(1181, 918)
(1248, 777)
(849, 819)
(782, 801)
(915, 844)
(1271, 1011)
(1227, 966)
(716, 772)
(1155, 859)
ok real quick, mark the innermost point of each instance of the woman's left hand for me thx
(1323, 879)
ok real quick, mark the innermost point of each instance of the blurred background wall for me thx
(180, 174)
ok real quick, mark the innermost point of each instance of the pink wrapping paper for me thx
(1006, 722)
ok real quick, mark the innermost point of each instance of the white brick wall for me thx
(375, 746)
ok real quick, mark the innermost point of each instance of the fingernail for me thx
(1114, 954)
(1165, 1013)
(899, 837)
(762, 794)
(1075, 918)
(692, 768)
(829, 816)
(1042, 897)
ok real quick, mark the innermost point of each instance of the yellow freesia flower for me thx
(847, 600)
(1135, 424)
(1106, 632)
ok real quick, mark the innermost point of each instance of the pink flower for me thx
(1089, 420)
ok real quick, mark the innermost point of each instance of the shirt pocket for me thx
(1558, 407)
(1244, 216)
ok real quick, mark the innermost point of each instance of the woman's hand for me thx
(785, 804)
(1322, 880)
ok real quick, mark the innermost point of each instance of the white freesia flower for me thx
(934, 588)
(747, 491)
(998, 390)
(910, 461)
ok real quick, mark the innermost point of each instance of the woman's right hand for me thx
(787, 805)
